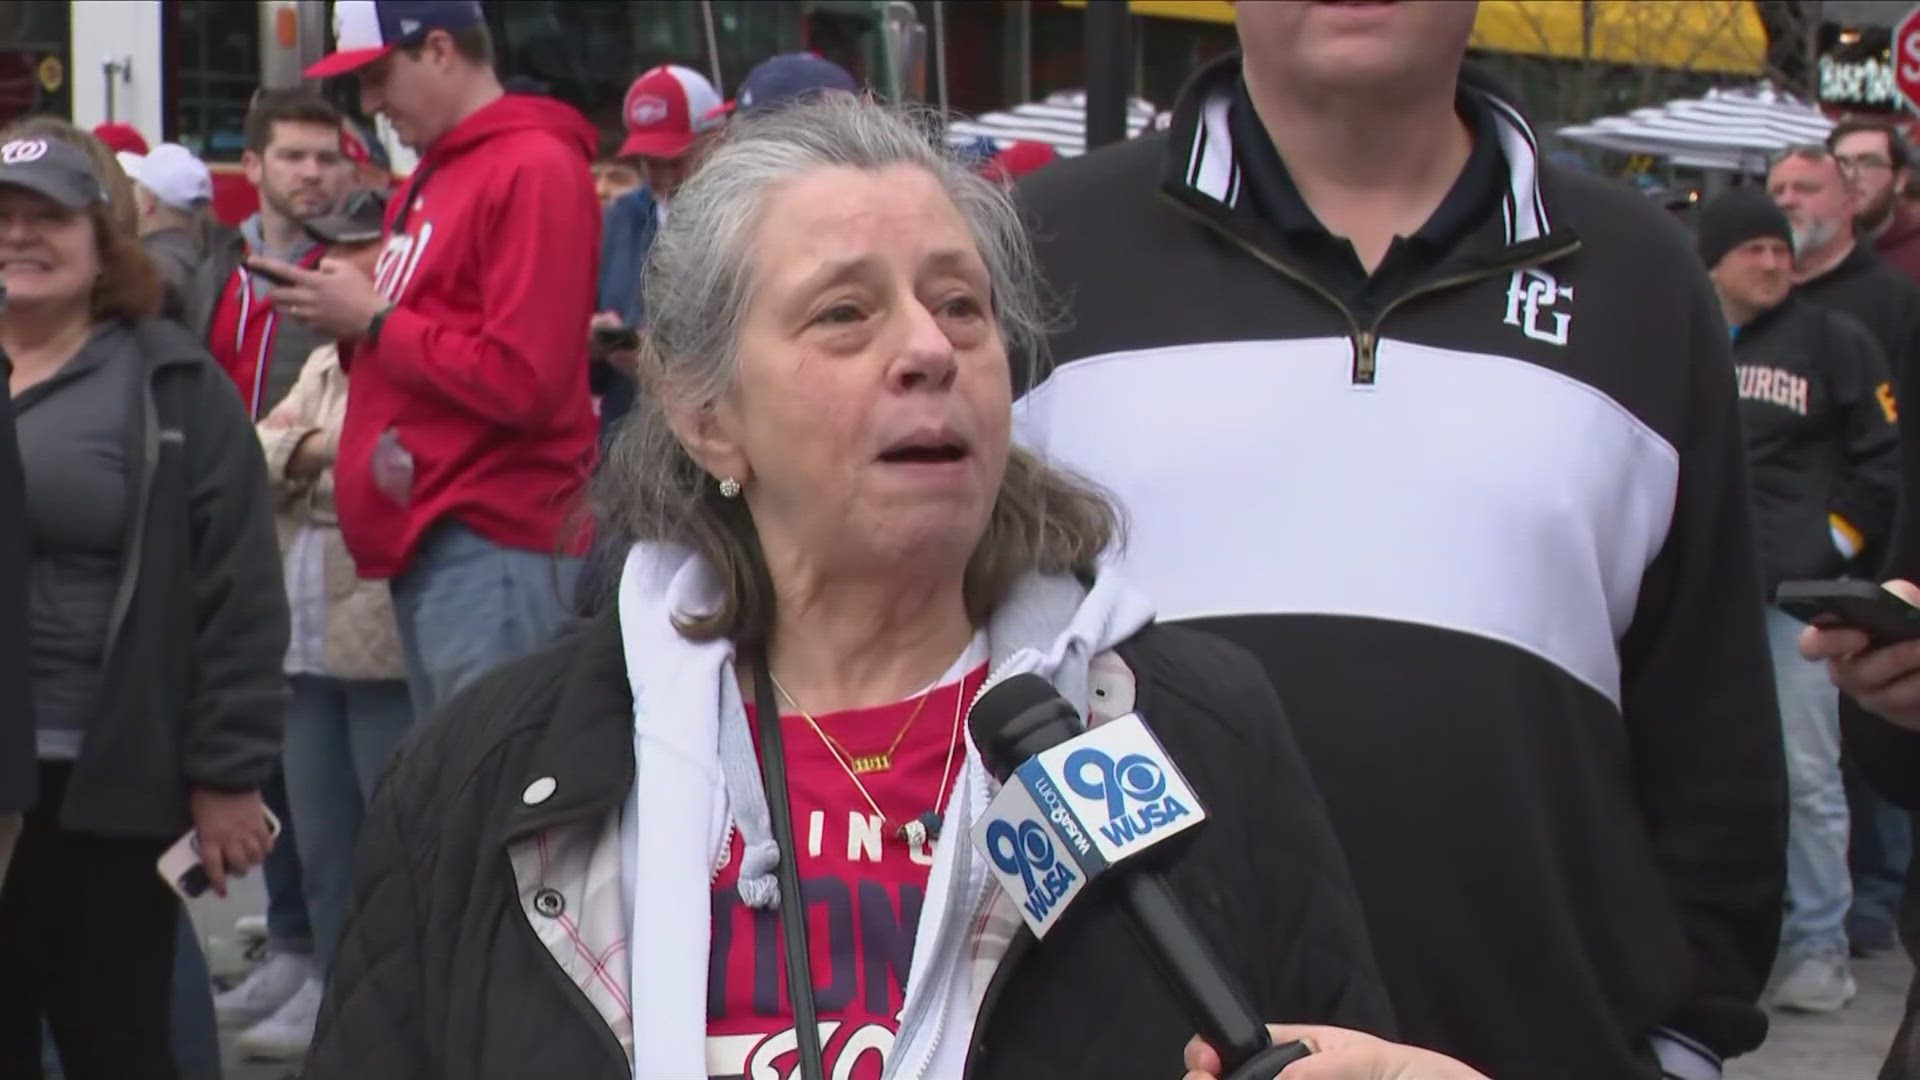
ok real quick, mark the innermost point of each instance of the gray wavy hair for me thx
(699, 286)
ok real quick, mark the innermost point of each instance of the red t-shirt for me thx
(864, 885)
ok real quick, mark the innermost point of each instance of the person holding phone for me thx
(157, 624)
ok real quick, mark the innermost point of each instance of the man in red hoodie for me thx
(469, 434)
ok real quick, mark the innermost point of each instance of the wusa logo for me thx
(1026, 849)
(1134, 780)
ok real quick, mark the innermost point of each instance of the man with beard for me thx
(293, 158)
(1874, 156)
(1830, 265)
(1827, 196)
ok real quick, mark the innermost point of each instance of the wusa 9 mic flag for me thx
(1069, 813)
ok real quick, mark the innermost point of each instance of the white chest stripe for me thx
(1476, 493)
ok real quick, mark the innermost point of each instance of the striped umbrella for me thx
(1737, 129)
(1060, 121)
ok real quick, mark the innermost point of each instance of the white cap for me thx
(172, 173)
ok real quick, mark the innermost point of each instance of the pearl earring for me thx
(729, 488)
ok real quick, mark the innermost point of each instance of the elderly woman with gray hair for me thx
(832, 547)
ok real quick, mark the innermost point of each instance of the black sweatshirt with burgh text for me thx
(1487, 525)
(1816, 401)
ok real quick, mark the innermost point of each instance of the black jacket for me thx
(1816, 401)
(192, 692)
(439, 976)
(1493, 546)
(1886, 302)
(17, 773)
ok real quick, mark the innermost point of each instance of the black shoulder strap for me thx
(793, 906)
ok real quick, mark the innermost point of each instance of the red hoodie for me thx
(481, 368)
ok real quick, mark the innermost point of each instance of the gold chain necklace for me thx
(860, 763)
(926, 827)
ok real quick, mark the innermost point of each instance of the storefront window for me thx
(212, 53)
(985, 54)
(35, 69)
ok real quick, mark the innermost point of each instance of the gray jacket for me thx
(192, 693)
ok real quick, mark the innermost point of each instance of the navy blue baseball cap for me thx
(366, 30)
(787, 78)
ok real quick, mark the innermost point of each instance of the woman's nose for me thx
(926, 357)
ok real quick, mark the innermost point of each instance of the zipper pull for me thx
(1365, 348)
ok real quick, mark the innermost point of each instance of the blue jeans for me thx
(1882, 848)
(340, 735)
(196, 1034)
(289, 929)
(1819, 885)
(467, 605)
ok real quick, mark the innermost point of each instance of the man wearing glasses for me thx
(1830, 266)
(1879, 168)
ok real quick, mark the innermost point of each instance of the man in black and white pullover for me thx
(1823, 450)
(1448, 438)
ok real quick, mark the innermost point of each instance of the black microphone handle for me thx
(1189, 968)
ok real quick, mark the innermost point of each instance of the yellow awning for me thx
(1719, 36)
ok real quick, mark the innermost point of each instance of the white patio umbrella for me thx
(1736, 129)
(1060, 120)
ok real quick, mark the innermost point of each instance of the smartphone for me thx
(607, 339)
(1857, 605)
(182, 870)
(273, 276)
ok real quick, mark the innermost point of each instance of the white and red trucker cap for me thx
(667, 108)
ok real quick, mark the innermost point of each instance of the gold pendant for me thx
(867, 763)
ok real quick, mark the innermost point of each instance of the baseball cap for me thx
(786, 78)
(172, 173)
(358, 220)
(366, 30)
(120, 136)
(50, 167)
(666, 109)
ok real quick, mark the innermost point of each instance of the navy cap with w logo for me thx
(366, 30)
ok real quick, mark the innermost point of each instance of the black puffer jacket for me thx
(440, 976)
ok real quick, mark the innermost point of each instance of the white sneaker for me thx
(1815, 984)
(268, 987)
(284, 1036)
(251, 928)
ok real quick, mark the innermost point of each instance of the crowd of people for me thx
(531, 561)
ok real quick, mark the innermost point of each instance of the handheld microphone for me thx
(1074, 804)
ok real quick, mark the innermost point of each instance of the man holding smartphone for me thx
(1816, 405)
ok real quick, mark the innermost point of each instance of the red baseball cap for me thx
(1018, 160)
(122, 138)
(667, 108)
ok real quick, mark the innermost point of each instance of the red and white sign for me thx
(1906, 57)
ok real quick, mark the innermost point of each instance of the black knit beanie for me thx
(1734, 217)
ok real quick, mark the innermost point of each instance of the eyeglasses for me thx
(1861, 163)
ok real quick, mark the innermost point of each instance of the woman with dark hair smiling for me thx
(156, 624)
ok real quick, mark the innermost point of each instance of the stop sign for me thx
(1906, 58)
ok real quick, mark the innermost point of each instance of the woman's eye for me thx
(962, 307)
(839, 315)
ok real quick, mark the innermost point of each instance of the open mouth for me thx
(939, 449)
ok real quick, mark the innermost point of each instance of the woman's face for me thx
(870, 422)
(48, 255)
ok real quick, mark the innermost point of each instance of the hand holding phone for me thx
(184, 871)
(1885, 618)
